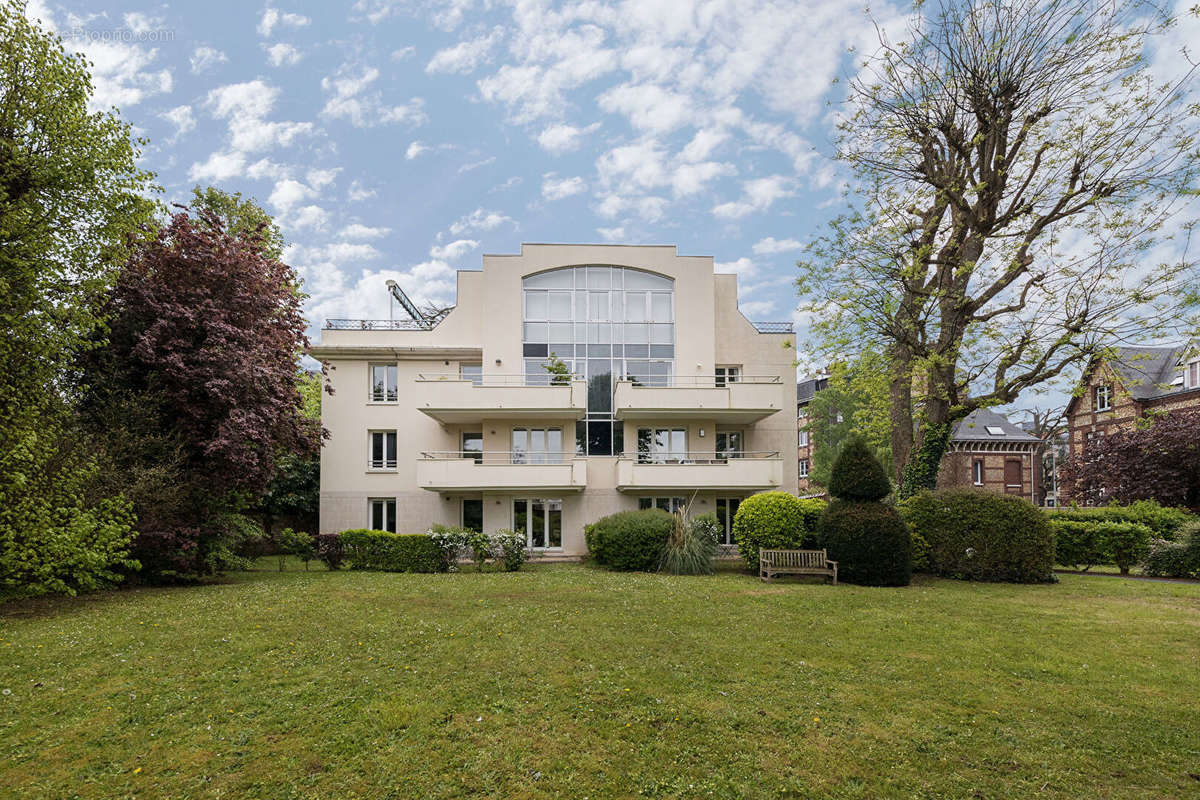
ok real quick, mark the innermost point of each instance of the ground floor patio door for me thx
(540, 520)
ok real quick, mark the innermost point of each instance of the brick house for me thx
(987, 451)
(805, 391)
(1117, 390)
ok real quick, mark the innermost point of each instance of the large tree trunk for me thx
(901, 411)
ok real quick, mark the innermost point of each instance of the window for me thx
(472, 515)
(537, 446)
(383, 514)
(669, 504)
(726, 510)
(1103, 398)
(729, 444)
(383, 383)
(803, 468)
(383, 449)
(728, 375)
(977, 471)
(1012, 475)
(472, 446)
(661, 445)
(802, 439)
(471, 372)
(1193, 375)
(994, 430)
(540, 521)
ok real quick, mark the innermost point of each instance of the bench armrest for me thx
(834, 563)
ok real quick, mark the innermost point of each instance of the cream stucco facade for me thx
(671, 393)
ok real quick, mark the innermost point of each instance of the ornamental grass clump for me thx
(691, 546)
(867, 538)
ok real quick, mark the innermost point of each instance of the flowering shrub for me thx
(329, 550)
(452, 542)
(508, 548)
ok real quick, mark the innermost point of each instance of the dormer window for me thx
(1192, 375)
(1103, 398)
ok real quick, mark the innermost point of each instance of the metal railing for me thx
(501, 379)
(381, 464)
(774, 327)
(702, 381)
(373, 325)
(703, 457)
(505, 457)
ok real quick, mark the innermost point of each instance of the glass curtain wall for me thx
(605, 323)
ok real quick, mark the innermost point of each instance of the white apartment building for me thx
(666, 395)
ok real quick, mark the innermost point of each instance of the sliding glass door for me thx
(541, 522)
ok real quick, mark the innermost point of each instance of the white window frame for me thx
(668, 504)
(1107, 394)
(802, 468)
(977, 471)
(466, 372)
(395, 389)
(389, 504)
(1191, 374)
(802, 439)
(731, 452)
(727, 374)
(385, 464)
(657, 455)
(545, 455)
(528, 532)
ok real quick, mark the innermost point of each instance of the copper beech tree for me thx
(1024, 184)
(1157, 460)
(195, 391)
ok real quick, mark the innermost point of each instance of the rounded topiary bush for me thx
(629, 540)
(869, 541)
(774, 520)
(979, 535)
(857, 474)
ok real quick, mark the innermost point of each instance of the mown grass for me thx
(565, 681)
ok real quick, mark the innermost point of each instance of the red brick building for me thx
(805, 390)
(1118, 390)
(988, 452)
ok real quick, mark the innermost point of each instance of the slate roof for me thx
(805, 389)
(1147, 372)
(973, 428)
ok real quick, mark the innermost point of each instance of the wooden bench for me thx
(795, 562)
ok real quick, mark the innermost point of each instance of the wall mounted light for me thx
(702, 433)
(497, 362)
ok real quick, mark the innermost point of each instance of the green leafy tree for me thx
(854, 403)
(242, 218)
(71, 199)
(560, 373)
(1019, 168)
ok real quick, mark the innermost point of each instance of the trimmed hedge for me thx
(979, 535)
(775, 520)
(1179, 559)
(857, 474)
(629, 540)
(1164, 521)
(392, 552)
(869, 541)
(1099, 541)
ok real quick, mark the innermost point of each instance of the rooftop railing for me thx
(373, 325)
(773, 327)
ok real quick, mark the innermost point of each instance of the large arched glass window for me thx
(604, 323)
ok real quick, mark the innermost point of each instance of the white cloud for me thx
(611, 234)
(689, 179)
(771, 245)
(273, 17)
(742, 267)
(479, 220)
(702, 144)
(415, 149)
(466, 56)
(182, 118)
(559, 139)
(362, 108)
(757, 308)
(252, 98)
(555, 188)
(320, 178)
(312, 216)
(140, 23)
(283, 54)
(123, 74)
(245, 105)
(219, 167)
(204, 58)
(757, 195)
(453, 251)
(403, 53)
(358, 192)
(359, 231)
(288, 193)
(472, 165)
(649, 107)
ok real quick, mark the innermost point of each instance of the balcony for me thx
(450, 398)
(500, 471)
(749, 471)
(746, 400)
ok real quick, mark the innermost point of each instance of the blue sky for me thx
(404, 139)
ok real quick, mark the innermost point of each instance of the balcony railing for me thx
(373, 325)
(511, 457)
(773, 327)
(703, 457)
(500, 380)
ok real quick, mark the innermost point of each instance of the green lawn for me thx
(565, 681)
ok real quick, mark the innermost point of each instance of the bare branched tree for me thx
(1025, 176)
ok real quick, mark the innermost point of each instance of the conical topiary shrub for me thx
(857, 474)
(868, 539)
